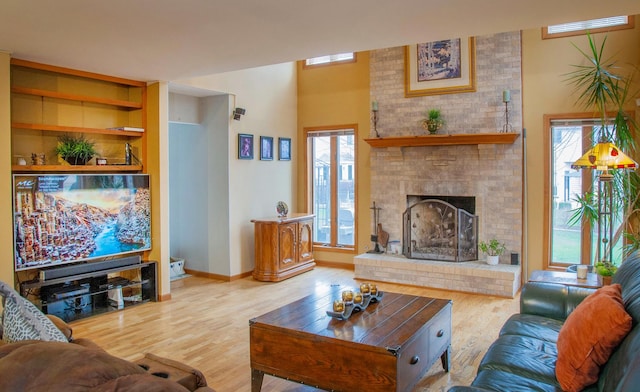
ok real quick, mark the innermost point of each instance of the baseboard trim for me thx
(224, 278)
(164, 297)
(333, 264)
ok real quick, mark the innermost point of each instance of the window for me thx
(592, 26)
(335, 58)
(332, 177)
(567, 243)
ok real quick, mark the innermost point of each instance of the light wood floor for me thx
(206, 325)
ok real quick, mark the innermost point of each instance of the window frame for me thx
(586, 239)
(629, 25)
(308, 178)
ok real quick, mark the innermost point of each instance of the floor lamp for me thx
(605, 156)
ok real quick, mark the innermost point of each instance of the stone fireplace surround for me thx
(492, 173)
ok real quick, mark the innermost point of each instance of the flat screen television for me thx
(68, 218)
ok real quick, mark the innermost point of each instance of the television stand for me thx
(87, 294)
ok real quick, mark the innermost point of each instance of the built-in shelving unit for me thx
(443, 140)
(48, 101)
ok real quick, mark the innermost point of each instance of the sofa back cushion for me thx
(589, 336)
(622, 371)
(628, 275)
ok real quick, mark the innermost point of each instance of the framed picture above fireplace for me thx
(440, 67)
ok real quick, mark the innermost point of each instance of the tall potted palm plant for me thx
(605, 87)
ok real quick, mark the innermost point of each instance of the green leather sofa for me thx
(523, 357)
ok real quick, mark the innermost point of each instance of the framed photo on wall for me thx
(284, 149)
(245, 146)
(266, 148)
(440, 67)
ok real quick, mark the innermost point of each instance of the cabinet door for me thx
(287, 244)
(305, 240)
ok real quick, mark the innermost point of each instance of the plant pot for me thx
(77, 161)
(432, 126)
(493, 260)
(604, 280)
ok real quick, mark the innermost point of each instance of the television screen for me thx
(66, 218)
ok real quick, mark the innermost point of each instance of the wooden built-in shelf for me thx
(444, 140)
(74, 72)
(61, 128)
(75, 97)
(75, 168)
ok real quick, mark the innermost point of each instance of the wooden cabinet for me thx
(49, 101)
(283, 247)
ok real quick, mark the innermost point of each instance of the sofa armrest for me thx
(551, 300)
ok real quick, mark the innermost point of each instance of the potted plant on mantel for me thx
(433, 122)
(493, 249)
(75, 150)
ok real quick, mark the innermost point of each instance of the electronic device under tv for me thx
(68, 218)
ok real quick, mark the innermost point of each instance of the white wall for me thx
(199, 177)
(269, 95)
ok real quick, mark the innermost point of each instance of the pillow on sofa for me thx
(589, 336)
(21, 320)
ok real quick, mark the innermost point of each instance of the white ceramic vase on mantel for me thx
(493, 260)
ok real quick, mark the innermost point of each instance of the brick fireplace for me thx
(490, 173)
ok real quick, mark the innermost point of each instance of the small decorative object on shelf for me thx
(282, 209)
(37, 159)
(354, 302)
(433, 122)
(506, 98)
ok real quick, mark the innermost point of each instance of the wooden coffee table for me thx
(387, 347)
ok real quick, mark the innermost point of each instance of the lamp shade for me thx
(604, 156)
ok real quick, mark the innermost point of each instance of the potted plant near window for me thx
(493, 249)
(605, 88)
(605, 270)
(75, 150)
(433, 122)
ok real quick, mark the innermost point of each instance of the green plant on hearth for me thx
(75, 150)
(605, 88)
(434, 121)
(493, 247)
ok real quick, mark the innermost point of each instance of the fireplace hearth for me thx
(434, 229)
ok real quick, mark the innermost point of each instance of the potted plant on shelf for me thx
(493, 249)
(75, 150)
(433, 122)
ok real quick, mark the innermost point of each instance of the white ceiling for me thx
(177, 39)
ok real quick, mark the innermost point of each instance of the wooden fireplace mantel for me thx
(444, 140)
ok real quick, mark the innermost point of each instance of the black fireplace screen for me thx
(436, 230)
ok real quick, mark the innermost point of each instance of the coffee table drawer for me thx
(423, 351)
(439, 333)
